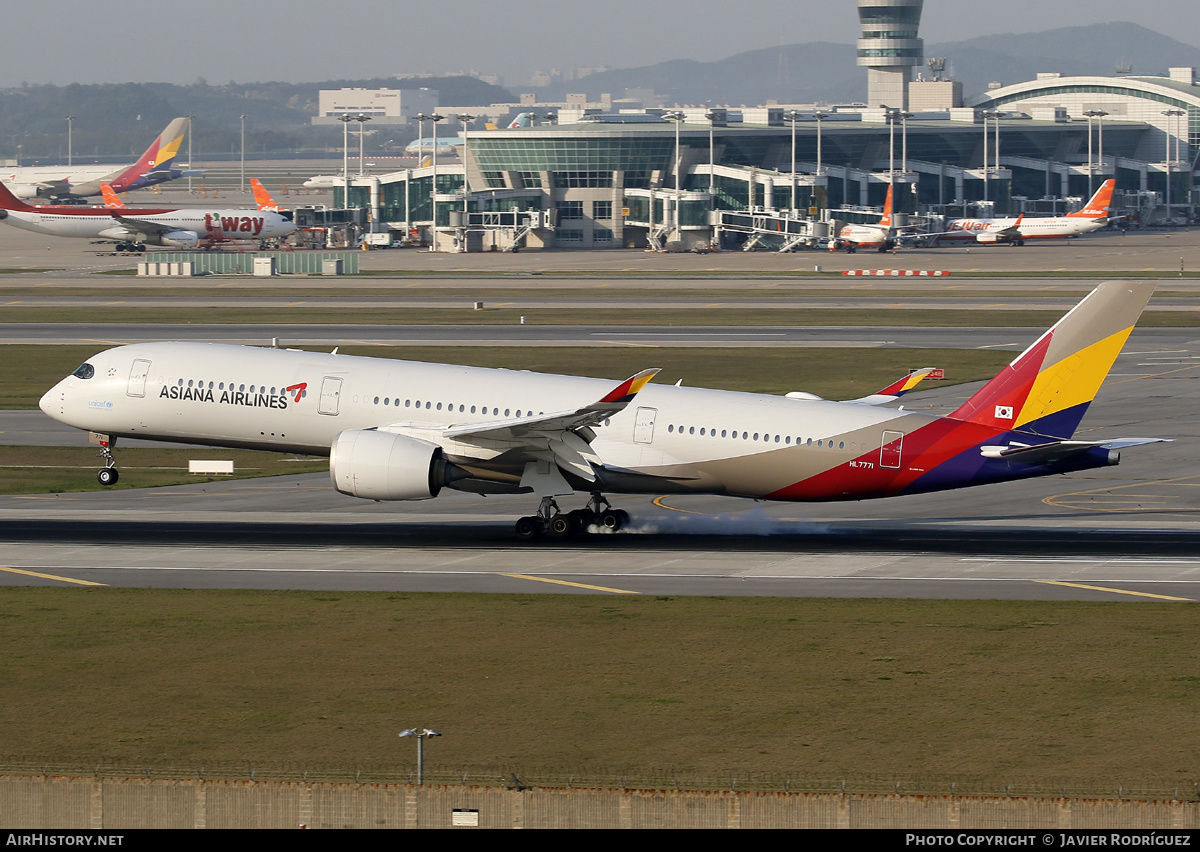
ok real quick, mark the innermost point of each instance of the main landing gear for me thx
(108, 475)
(552, 522)
(137, 248)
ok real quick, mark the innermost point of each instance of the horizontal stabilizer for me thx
(1058, 450)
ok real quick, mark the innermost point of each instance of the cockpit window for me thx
(85, 371)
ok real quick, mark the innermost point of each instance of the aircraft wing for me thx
(1058, 450)
(141, 226)
(518, 429)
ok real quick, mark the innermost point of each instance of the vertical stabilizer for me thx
(1049, 386)
(1098, 205)
(886, 221)
(154, 166)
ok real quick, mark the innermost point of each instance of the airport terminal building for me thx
(785, 177)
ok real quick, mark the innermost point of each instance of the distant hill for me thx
(120, 120)
(821, 71)
(1095, 49)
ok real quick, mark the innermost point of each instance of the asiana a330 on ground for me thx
(400, 430)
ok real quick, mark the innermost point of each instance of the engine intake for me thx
(378, 465)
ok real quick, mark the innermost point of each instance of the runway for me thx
(261, 334)
(1130, 532)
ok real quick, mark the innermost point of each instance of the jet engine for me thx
(386, 466)
(24, 190)
(176, 239)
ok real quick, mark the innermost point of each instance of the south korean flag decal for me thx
(1004, 412)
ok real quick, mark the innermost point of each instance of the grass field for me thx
(55, 470)
(981, 693)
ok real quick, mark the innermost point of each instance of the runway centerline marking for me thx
(1114, 591)
(566, 583)
(50, 577)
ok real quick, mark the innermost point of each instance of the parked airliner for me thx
(882, 235)
(155, 166)
(1091, 217)
(135, 228)
(401, 430)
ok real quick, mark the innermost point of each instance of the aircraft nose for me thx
(50, 403)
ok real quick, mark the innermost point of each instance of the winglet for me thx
(904, 385)
(896, 389)
(628, 389)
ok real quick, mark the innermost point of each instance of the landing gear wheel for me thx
(529, 528)
(108, 476)
(562, 526)
(614, 519)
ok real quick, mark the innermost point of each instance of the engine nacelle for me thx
(988, 237)
(378, 465)
(176, 239)
(25, 190)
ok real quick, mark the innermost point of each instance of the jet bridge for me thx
(498, 230)
(771, 227)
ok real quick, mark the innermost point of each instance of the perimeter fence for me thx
(518, 778)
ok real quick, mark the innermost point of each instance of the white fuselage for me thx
(681, 439)
(127, 223)
(1048, 227)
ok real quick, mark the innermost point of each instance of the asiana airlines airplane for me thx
(402, 430)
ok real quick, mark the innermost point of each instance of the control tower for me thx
(889, 47)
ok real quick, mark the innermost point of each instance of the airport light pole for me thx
(793, 116)
(712, 117)
(345, 119)
(677, 116)
(819, 116)
(434, 119)
(904, 116)
(70, 119)
(243, 160)
(1171, 126)
(191, 121)
(892, 115)
(465, 118)
(988, 114)
(1097, 114)
(361, 119)
(420, 737)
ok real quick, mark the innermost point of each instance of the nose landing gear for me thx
(108, 475)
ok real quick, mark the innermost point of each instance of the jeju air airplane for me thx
(401, 430)
(882, 235)
(1092, 217)
(135, 228)
(155, 166)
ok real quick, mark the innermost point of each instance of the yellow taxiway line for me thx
(50, 577)
(566, 583)
(1115, 591)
